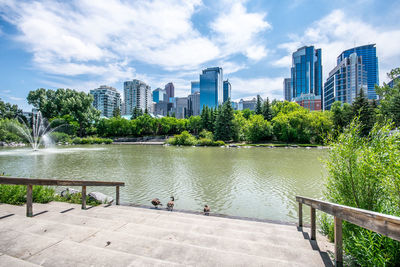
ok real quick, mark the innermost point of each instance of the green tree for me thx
(362, 109)
(195, 124)
(224, 122)
(136, 112)
(9, 111)
(116, 113)
(342, 115)
(65, 102)
(247, 113)
(258, 109)
(389, 98)
(258, 129)
(266, 110)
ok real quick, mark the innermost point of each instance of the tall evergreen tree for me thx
(258, 105)
(363, 110)
(224, 125)
(266, 110)
(116, 113)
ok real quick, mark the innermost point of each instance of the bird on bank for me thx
(156, 202)
(170, 204)
(206, 210)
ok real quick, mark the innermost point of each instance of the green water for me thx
(250, 182)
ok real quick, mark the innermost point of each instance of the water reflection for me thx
(251, 182)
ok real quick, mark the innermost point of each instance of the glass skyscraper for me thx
(211, 87)
(306, 72)
(159, 95)
(370, 61)
(287, 89)
(227, 90)
(345, 81)
(195, 87)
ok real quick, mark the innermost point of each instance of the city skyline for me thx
(251, 40)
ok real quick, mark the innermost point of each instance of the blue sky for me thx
(83, 44)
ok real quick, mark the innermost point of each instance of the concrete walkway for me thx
(62, 234)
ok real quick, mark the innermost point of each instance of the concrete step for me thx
(141, 241)
(8, 261)
(46, 251)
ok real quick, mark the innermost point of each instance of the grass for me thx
(16, 195)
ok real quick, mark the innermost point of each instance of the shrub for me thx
(219, 143)
(16, 194)
(91, 140)
(75, 199)
(364, 173)
(183, 139)
(60, 137)
(206, 134)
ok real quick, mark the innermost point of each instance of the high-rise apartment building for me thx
(106, 99)
(345, 81)
(211, 87)
(137, 94)
(287, 89)
(306, 73)
(194, 104)
(159, 95)
(195, 87)
(227, 91)
(170, 89)
(370, 61)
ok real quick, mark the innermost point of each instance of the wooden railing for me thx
(50, 182)
(380, 223)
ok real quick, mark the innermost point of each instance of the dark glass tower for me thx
(370, 61)
(306, 72)
(211, 87)
(227, 90)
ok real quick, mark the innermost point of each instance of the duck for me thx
(206, 210)
(170, 204)
(156, 202)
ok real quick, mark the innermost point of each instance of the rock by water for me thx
(100, 197)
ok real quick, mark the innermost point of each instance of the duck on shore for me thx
(156, 202)
(206, 210)
(170, 204)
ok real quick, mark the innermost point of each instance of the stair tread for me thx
(7, 261)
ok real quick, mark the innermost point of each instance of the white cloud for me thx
(105, 38)
(238, 31)
(337, 32)
(16, 98)
(249, 88)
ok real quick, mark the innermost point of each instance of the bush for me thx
(75, 199)
(91, 140)
(258, 129)
(60, 137)
(183, 139)
(364, 172)
(16, 194)
(206, 134)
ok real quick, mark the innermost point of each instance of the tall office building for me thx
(287, 89)
(195, 87)
(370, 61)
(211, 87)
(345, 81)
(180, 107)
(194, 104)
(307, 74)
(106, 99)
(159, 95)
(137, 94)
(170, 89)
(227, 91)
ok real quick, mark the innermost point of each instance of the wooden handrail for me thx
(387, 225)
(54, 182)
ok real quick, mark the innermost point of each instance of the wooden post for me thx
(338, 242)
(313, 230)
(300, 214)
(117, 195)
(84, 197)
(29, 212)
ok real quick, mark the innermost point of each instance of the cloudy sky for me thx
(84, 43)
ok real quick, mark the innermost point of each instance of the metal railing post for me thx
(29, 200)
